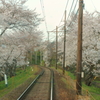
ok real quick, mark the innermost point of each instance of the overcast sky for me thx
(54, 10)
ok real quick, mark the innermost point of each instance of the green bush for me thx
(13, 82)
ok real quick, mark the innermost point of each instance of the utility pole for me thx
(56, 45)
(48, 38)
(64, 44)
(79, 49)
(36, 57)
(48, 52)
(40, 56)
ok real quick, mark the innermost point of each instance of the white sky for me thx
(54, 10)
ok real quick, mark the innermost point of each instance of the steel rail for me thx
(29, 87)
(52, 85)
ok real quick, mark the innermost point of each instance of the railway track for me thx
(41, 88)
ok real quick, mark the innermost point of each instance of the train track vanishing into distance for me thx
(41, 88)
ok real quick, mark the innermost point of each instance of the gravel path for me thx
(41, 89)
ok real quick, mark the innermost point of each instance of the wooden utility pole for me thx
(40, 56)
(79, 49)
(56, 45)
(36, 57)
(64, 44)
(48, 38)
(48, 55)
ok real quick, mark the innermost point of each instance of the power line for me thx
(69, 12)
(64, 10)
(75, 5)
(43, 11)
(94, 5)
(71, 20)
(70, 9)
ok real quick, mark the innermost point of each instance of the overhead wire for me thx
(64, 10)
(73, 11)
(69, 42)
(72, 20)
(70, 9)
(61, 35)
(62, 16)
(93, 5)
(43, 11)
(59, 26)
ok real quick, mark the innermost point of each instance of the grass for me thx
(20, 78)
(59, 70)
(68, 85)
(71, 75)
(93, 91)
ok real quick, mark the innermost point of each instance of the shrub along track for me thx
(15, 93)
(61, 92)
(41, 88)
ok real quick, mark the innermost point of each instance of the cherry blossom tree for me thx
(91, 45)
(15, 16)
(19, 35)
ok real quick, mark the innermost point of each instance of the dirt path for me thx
(41, 90)
(64, 88)
(62, 92)
(14, 94)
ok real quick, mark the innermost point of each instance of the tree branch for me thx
(3, 31)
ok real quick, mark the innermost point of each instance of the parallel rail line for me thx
(41, 87)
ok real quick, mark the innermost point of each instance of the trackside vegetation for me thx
(21, 77)
(92, 91)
